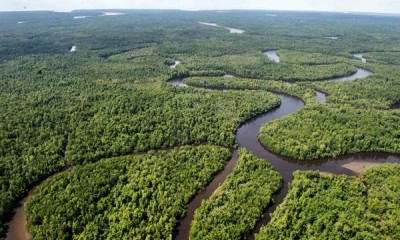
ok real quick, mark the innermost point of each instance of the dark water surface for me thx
(247, 137)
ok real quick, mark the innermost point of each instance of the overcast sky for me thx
(387, 6)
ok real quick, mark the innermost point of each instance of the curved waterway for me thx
(247, 137)
(361, 73)
(231, 30)
(17, 227)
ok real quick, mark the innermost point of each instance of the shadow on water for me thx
(395, 106)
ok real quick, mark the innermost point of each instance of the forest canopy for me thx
(339, 207)
(130, 197)
(110, 98)
(234, 208)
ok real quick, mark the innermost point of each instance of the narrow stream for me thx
(17, 226)
(231, 30)
(361, 73)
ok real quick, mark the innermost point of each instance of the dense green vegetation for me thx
(379, 91)
(131, 197)
(322, 131)
(339, 207)
(311, 58)
(169, 117)
(383, 57)
(234, 208)
(303, 92)
(110, 120)
(110, 98)
(257, 65)
(76, 111)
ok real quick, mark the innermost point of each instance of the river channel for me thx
(247, 137)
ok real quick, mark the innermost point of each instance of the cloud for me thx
(392, 6)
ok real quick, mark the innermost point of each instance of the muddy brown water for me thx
(247, 137)
(17, 226)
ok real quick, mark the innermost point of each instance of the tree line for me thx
(130, 197)
(339, 207)
(234, 208)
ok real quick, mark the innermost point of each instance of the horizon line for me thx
(197, 10)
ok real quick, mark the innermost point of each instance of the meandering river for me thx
(361, 73)
(231, 30)
(247, 137)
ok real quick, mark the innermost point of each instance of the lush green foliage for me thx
(234, 208)
(339, 207)
(102, 109)
(383, 57)
(313, 58)
(381, 90)
(109, 98)
(165, 118)
(303, 92)
(321, 131)
(131, 197)
(257, 65)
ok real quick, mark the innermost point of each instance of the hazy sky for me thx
(391, 6)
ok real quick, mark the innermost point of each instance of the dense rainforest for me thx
(130, 197)
(84, 93)
(320, 131)
(339, 207)
(303, 92)
(234, 208)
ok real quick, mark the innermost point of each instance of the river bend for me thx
(247, 137)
